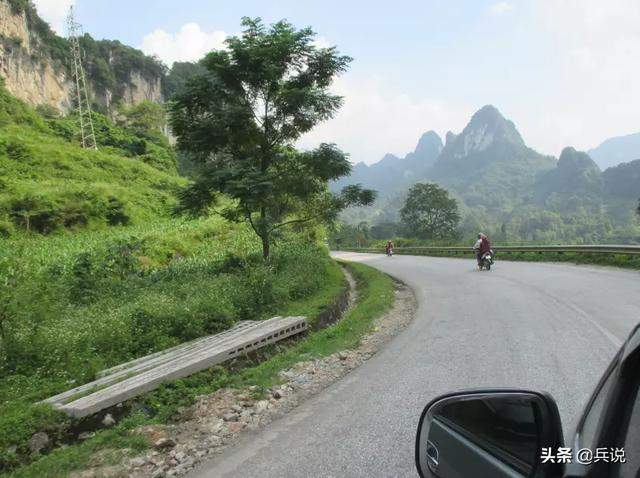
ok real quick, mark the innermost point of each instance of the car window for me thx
(631, 469)
(507, 430)
(587, 432)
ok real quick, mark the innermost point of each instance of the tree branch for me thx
(294, 221)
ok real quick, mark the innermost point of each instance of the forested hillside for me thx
(509, 190)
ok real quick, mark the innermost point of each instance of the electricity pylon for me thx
(83, 105)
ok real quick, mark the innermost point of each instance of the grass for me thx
(108, 447)
(48, 183)
(74, 307)
(94, 271)
(376, 295)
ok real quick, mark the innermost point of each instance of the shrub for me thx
(19, 422)
(116, 213)
(18, 151)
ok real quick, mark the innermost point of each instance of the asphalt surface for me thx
(552, 327)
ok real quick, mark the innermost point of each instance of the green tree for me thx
(143, 117)
(178, 76)
(430, 213)
(261, 94)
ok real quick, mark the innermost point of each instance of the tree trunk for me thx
(265, 233)
(265, 247)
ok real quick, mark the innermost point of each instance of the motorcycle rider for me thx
(389, 248)
(482, 246)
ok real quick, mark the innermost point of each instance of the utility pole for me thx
(83, 105)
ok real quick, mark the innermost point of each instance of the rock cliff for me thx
(34, 64)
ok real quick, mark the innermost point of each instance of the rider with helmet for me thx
(389, 248)
(481, 247)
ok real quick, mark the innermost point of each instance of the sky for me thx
(564, 71)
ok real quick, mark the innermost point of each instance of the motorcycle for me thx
(486, 261)
(390, 251)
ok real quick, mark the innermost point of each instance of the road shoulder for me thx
(223, 420)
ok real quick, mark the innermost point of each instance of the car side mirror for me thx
(488, 433)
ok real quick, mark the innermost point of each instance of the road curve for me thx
(550, 327)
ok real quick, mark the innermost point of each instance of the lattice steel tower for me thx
(83, 105)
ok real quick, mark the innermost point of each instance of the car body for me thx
(513, 433)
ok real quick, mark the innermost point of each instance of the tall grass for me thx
(75, 304)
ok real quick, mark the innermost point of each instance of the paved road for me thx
(553, 327)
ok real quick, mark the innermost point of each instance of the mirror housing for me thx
(488, 433)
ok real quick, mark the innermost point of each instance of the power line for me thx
(83, 105)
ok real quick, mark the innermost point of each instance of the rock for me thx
(181, 470)
(236, 408)
(85, 436)
(108, 421)
(39, 442)
(235, 427)
(164, 443)
(343, 355)
(230, 417)
(159, 474)
(152, 433)
(180, 456)
(278, 394)
(261, 406)
(301, 379)
(214, 441)
(216, 426)
(137, 462)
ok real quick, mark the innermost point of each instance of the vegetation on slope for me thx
(94, 271)
(375, 291)
(47, 183)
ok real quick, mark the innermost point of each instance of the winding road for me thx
(552, 327)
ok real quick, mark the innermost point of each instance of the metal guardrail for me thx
(587, 249)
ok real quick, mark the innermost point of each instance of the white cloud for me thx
(598, 44)
(191, 43)
(55, 12)
(501, 8)
(375, 120)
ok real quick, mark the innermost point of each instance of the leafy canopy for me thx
(259, 96)
(430, 213)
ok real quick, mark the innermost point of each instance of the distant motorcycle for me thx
(486, 261)
(390, 251)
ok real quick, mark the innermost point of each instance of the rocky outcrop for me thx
(27, 76)
(140, 88)
(31, 74)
